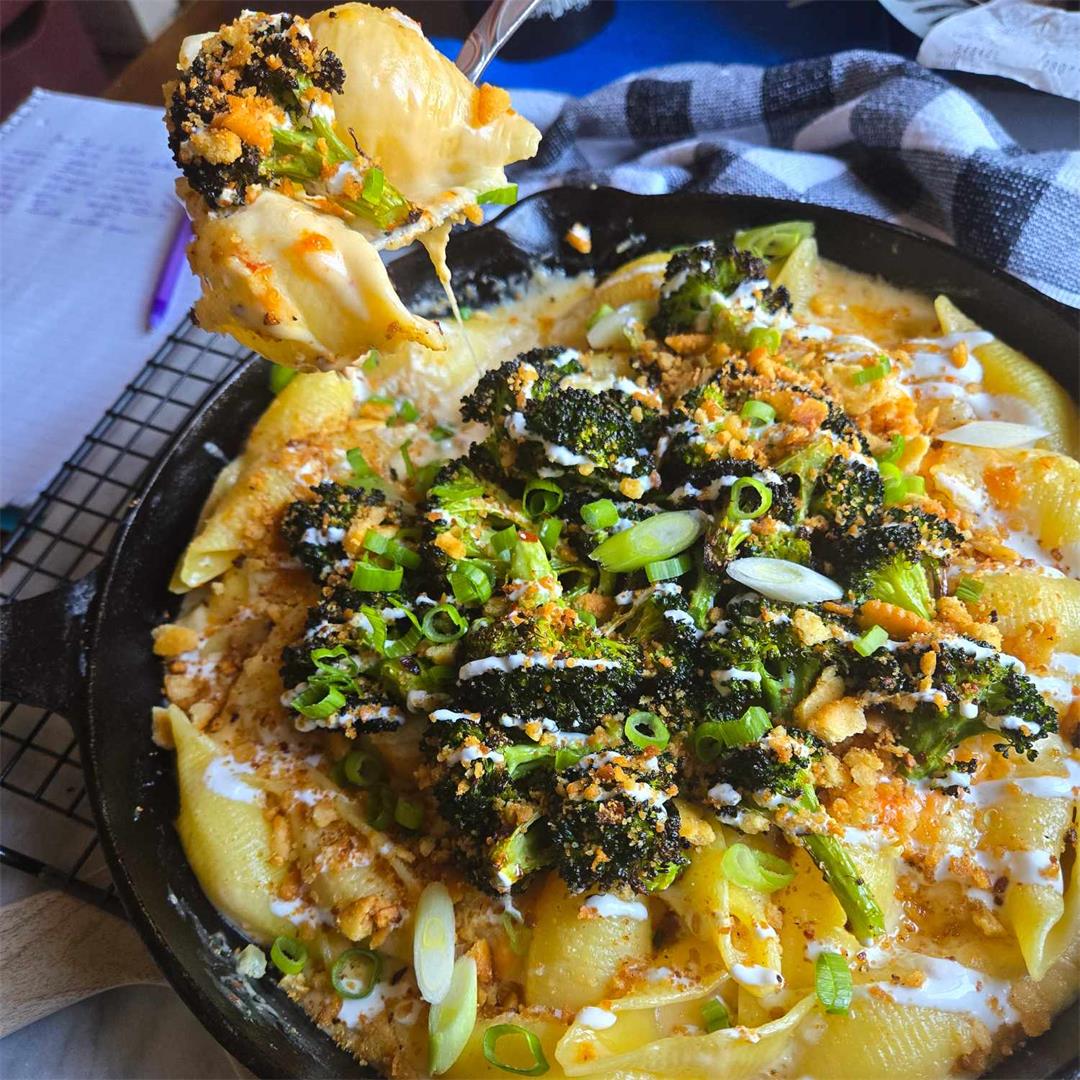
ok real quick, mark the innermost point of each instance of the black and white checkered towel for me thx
(860, 130)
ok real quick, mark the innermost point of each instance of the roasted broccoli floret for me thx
(546, 421)
(761, 660)
(848, 491)
(754, 766)
(699, 279)
(613, 822)
(662, 623)
(497, 823)
(548, 664)
(315, 529)
(464, 512)
(980, 690)
(253, 110)
(896, 558)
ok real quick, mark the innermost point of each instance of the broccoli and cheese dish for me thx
(697, 698)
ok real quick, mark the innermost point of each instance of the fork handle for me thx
(491, 33)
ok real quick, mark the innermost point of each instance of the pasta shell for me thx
(1008, 371)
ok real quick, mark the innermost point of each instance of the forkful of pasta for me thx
(308, 147)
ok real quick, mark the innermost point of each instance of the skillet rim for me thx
(232, 1030)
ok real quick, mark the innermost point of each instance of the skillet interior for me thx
(131, 781)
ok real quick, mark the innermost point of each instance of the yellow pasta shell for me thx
(1023, 597)
(639, 279)
(1008, 371)
(572, 960)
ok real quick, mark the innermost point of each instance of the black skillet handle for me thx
(42, 648)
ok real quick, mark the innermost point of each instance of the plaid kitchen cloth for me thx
(859, 130)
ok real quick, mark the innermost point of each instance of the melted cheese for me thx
(431, 130)
(297, 286)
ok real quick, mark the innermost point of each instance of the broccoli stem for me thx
(865, 919)
(704, 591)
(864, 916)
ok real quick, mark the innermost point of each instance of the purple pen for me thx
(170, 271)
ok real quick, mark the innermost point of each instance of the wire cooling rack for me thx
(46, 824)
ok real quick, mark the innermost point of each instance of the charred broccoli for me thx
(700, 279)
(315, 530)
(546, 422)
(614, 823)
(253, 109)
(549, 664)
(978, 690)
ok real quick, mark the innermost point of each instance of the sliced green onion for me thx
(444, 613)
(347, 984)
(470, 583)
(374, 181)
(666, 569)
(517, 933)
(715, 1015)
(767, 337)
(438, 432)
(969, 590)
(873, 372)
(758, 412)
(646, 729)
(895, 451)
(366, 577)
(407, 413)
(318, 701)
(602, 311)
(434, 937)
(740, 533)
(466, 313)
(496, 1032)
(712, 737)
(549, 533)
(343, 669)
(601, 514)
(396, 648)
(762, 494)
(541, 497)
(752, 869)
(664, 879)
(501, 196)
(408, 814)
(372, 360)
(832, 982)
(380, 808)
(280, 377)
(362, 769)
(504, 539)
(360, 468)
(662, 536)
(781, 579)
(867, 644)
(898, 485)
(451, 1021)
(774, 241)
(288, 955)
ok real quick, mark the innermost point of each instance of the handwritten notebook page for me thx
(87, 214)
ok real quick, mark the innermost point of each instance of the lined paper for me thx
(87, 214)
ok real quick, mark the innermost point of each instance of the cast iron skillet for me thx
(85, 650)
